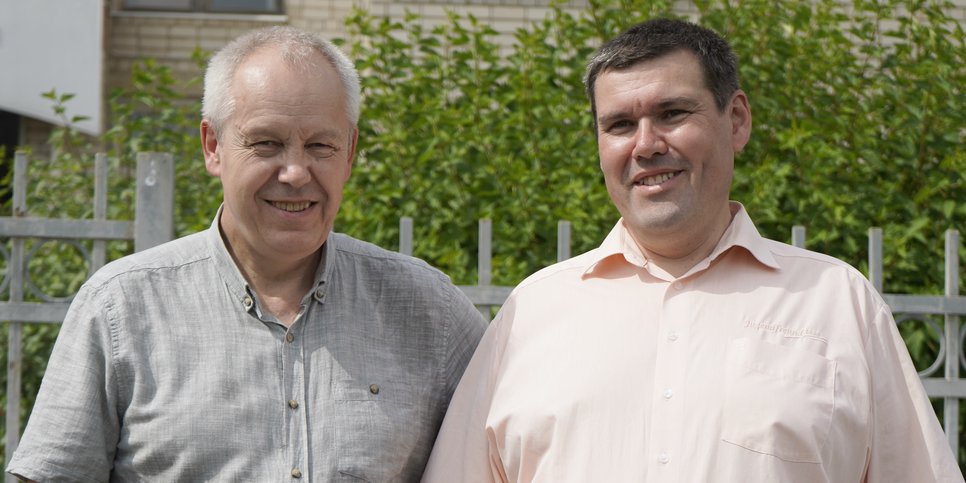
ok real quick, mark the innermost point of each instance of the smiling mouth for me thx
(291, 207)
(656, 179)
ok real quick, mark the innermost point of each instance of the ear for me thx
(209, 145)
(352, 153)
(740, 112)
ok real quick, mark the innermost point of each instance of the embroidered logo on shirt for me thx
(785, 331)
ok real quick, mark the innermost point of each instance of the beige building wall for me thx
(171, 38)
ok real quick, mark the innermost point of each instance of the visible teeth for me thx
(283, 205)
(655, 180)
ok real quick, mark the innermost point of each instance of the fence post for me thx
(406, 235)
(15, 267)
(99, 252)
(484, 262)
(951, 404)
(563, 240)
(875, 258)
(154, 211)
(798, 236)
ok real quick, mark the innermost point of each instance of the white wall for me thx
(56, 44)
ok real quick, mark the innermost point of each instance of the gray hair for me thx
(295, 47)
(657, 37)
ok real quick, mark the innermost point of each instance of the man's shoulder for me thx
(171, 255)
(790, 253)
(808, 264)
(354, 251)
(564, 270)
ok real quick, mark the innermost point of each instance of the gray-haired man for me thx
(265, 348)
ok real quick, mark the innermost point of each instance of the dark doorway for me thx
(9, 139)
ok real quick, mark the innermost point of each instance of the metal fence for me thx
(153, 225)
(154, 222)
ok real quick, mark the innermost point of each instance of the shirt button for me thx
(678, 285)
(374, 388)
(293, 404)
(673, 336)
(289, 337)
(319, 293)
(296, 473)
(248, 302)
(663, 458)
(668, 393)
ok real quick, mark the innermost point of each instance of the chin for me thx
(297, 245)
(656, 223)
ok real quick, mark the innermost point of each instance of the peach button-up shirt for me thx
(763, 363)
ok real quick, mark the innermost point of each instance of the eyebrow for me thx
(664, 104)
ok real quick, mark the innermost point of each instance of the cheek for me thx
(612, 156)
(331, 174)
(247, 183)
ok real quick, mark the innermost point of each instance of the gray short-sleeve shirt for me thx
(167, 370)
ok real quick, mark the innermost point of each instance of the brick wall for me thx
(170, 38)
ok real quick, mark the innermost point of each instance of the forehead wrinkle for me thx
(678, 101)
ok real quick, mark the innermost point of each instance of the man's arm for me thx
(73, 430)
(465, 450)
(907, 442)
(463, 332)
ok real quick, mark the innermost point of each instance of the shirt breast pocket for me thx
(380, 432)
(779, 400)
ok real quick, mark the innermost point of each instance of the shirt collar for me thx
(740, 233)
(743, 233)
(238, 286)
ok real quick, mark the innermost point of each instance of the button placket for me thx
(668, 420)
(294, 377)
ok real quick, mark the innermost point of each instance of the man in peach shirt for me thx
(687, 348)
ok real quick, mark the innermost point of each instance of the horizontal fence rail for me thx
(154, 224)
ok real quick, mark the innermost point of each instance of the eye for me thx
(619, 126)
(674, 114)
(265, 147)
(321, 150)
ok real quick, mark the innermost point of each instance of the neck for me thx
(677, 254)
(279, 284)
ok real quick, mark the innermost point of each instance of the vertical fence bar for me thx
(99, 252)
(563, 240)
(951, 404)
(875, 258)
(798, 236)
(154, 211)
(15, 267)
(484, 265)
(406, 235)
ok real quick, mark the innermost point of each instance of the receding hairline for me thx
(294, 46)
(313, 62)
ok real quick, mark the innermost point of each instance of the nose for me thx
(295, 171)
(649, 141)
